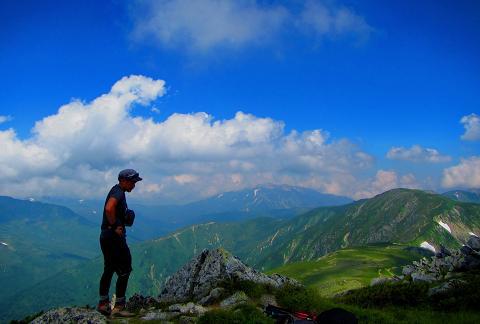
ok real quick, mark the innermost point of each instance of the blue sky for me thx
(374, 73)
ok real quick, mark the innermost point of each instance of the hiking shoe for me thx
(120, 311)
(104, 307)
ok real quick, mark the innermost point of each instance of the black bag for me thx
(129, 217)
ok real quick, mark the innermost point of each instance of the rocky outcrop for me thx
(188, 294)
(442, 271)
(446, 263)
(71, 315)
(207, 271)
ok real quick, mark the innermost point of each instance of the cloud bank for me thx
(203, 25)
(466, 174)
(417, 154)
(79, 150)
(472, 127)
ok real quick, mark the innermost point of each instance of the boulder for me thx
(408, 270)
(237, 298)
(474, 242)
(159, 315)
(443, 252)
(208, 270)
(444, 287)
(214, 296)
(268, 299)
(71, 315)
(419, 277)
(187, 309)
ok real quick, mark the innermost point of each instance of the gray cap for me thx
(129, 174)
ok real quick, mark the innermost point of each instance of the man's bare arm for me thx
(110, 210)
(111, 217)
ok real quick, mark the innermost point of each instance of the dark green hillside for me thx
(38, 240)
(153, 261)
(398, 216)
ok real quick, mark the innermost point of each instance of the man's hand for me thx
(119, 230)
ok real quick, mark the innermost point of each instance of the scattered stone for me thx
(159, 315)
(268, 299)
(408, 270)
(189, 308)
(187, 320)
(137, 302)
(444, 287)
(237, 298)
(71, 315)
(214, 296)
(416, 277)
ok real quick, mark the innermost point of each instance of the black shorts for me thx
(116, 254)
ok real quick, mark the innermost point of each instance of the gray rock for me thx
(474, 242)
(378, 281)
(237, 298)
(189, 308)
(443, 252)
(187, 320)
(214, 296)
(466, 250)
(71, 315)
(408, 270)
(196, 279)
(159, 315)
(444, 287)
(267, 299)
(419, 277)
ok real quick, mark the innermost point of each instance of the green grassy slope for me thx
(350, 268)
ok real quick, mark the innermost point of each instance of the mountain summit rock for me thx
(208, 270)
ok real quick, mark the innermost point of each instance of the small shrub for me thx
(301, 298)
(251, 289)
(462, 296)
(388, 294)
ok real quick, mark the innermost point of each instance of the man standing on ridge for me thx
(116, 254)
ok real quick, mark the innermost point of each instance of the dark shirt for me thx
(120, 209)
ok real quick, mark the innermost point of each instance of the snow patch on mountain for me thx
(445, 226)
(428, 246)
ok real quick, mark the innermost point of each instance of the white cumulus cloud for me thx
(203, 25)
(79, 150)
(472, 127)
(466, 174)
(4, 119)
(385, 180)
(416, 153)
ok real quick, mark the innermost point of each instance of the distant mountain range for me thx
(278, 201)
(400, 216)
(471, 196)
